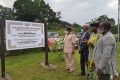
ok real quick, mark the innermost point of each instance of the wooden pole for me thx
(46, 42)
(2, 49)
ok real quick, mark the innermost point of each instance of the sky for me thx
(79, 11)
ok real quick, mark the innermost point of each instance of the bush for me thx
(23, 51)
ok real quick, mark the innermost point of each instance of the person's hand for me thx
(73, 52)
(99, 71)
(90, 44)
(115, 76)
(79, 51)
(84, 41)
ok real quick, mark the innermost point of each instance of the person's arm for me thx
(96, 39)
(87, 38)
(73, 42)
(85, 41)
(73, 47)
(108, 45)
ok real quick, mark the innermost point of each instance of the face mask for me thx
(81, 30)
(101, 31)
(66, 32)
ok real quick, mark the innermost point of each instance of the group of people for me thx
(97, 48)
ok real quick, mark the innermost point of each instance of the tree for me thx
(1, 6)
(7, 12)
(114, 29)
(32, 10)
(65, 23)
(105, 18)
(24, 10)
(77, 27)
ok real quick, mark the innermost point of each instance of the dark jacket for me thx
(84, 46)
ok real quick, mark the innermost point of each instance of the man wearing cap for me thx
(92, 43)
(84, 49)
(69, 45)
(104, 52)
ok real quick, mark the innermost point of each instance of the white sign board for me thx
(23, 35)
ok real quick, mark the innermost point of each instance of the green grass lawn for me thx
(27, 67)
(118, 57)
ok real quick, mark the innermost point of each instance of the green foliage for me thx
(7, 12)
(59, 53)
(64, 23)
(114, 29)
(60, 27)
(37, 11)
(56, 27)
(23, 51)
(105, 18)
(33, 10)
(24, 10)
(77, 27)
(27, 66)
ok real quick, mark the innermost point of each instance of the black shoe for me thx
(81, 74)
(71, 70)
(66, 69)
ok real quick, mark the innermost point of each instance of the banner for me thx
(23, 35)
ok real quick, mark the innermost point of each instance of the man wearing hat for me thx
(69, 45)
(92, 43)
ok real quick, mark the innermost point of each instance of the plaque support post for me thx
(2, 49)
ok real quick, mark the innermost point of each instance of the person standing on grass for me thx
(69, 45)
(104, 52)
(92, 43)
(84, 49)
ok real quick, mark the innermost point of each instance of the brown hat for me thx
(69, 27)
(95, 24)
